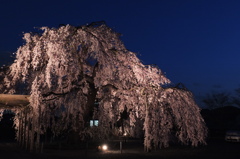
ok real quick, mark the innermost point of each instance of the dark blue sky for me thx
(195, 42)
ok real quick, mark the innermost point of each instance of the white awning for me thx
(10, 101)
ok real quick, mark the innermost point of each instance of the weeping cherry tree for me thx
(66, 70)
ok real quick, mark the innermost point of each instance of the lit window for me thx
(93, 123)
(96, 123)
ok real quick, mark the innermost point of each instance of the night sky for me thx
(195, 42)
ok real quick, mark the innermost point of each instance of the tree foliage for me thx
(66, 69)
(236, 98)
(216, 100)
(3, 72)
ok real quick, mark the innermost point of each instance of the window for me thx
(93, 123)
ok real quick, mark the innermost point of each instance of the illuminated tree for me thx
(3, 71)
(66, 70)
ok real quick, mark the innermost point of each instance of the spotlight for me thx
(104, 147)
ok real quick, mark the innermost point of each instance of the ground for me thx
(131, 149)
